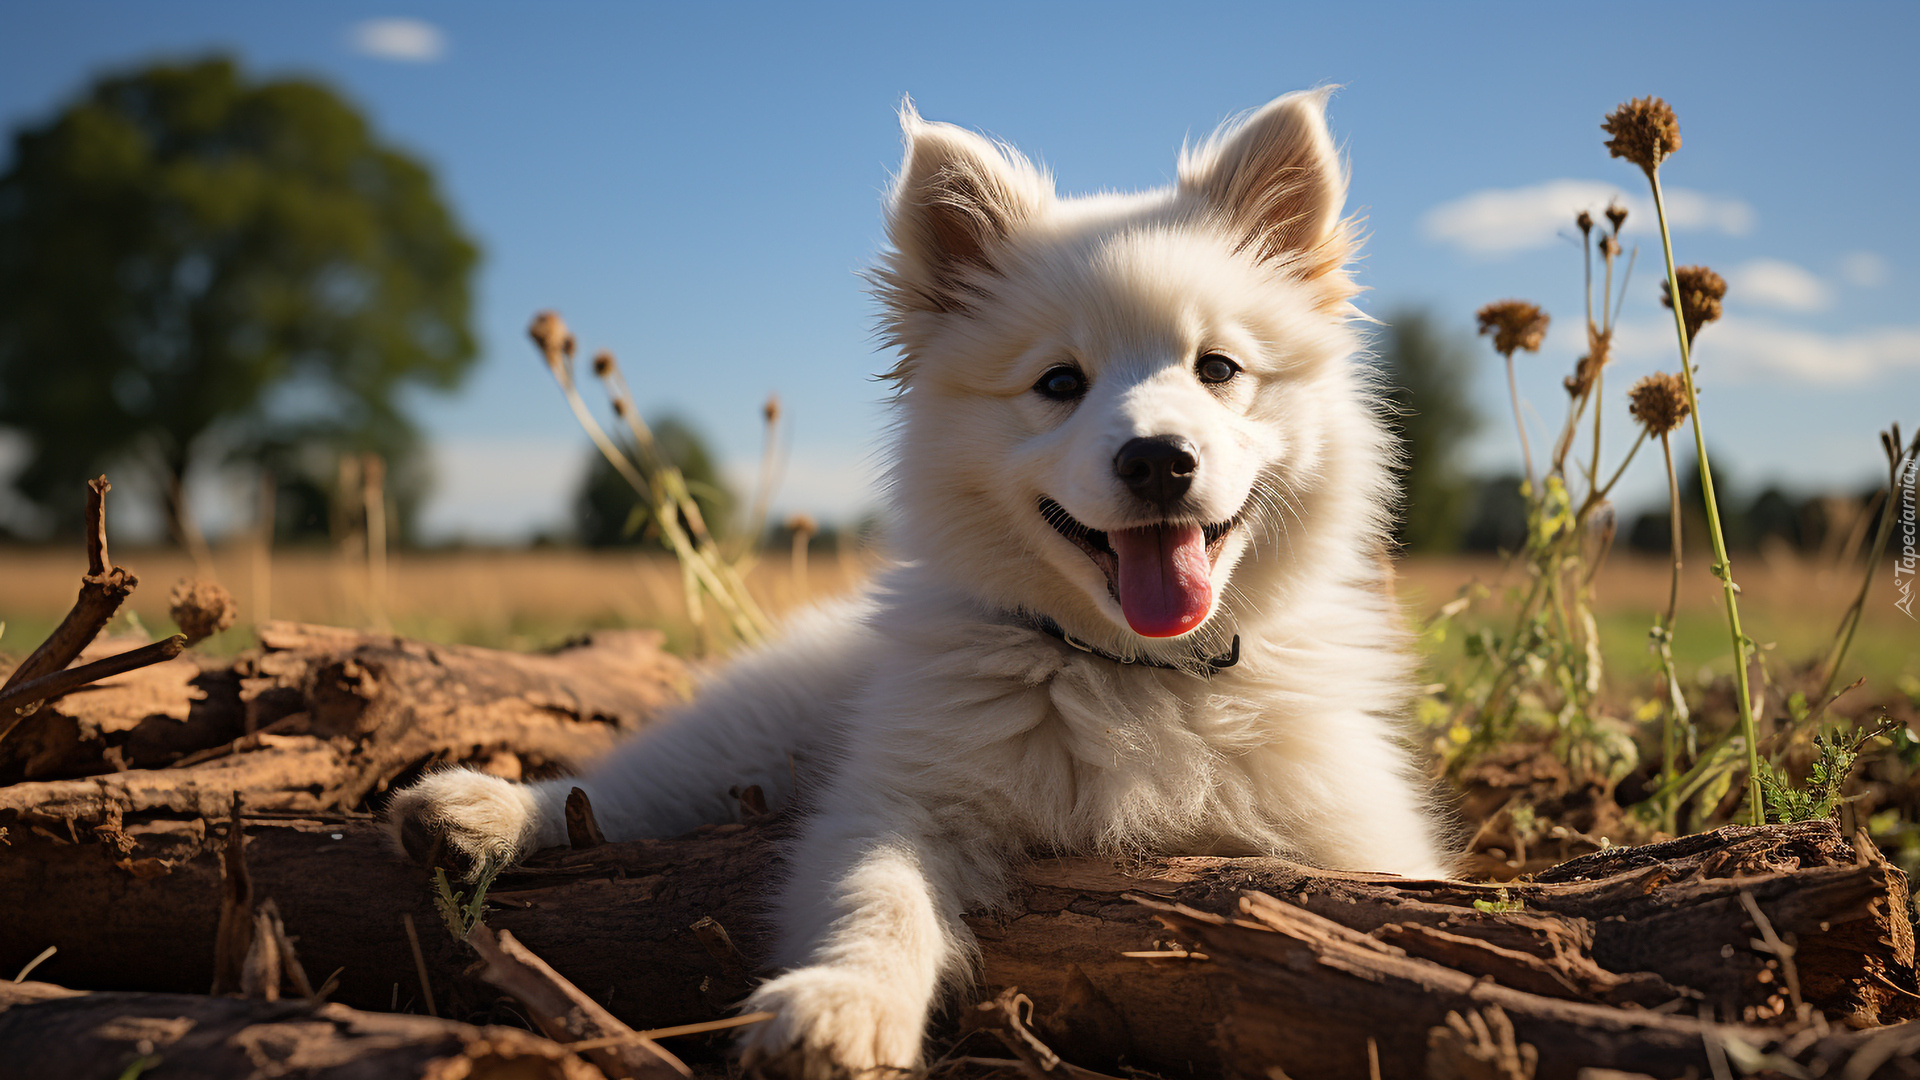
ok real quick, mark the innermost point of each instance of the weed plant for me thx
(709, 576)
(1533, 669)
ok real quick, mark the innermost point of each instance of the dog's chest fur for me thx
(1047, 746)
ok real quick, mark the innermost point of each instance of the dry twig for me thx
(564, 1013)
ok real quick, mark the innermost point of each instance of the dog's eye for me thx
(1062, 383)
(1215, 369)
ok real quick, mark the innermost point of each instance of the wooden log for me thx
(669, 931)
(121, 871)
(352, 712)
(1375, 1010)
(47, 1031)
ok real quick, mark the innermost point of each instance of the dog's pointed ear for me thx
(958, 198)
(1276, 179)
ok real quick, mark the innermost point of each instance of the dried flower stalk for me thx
(1645, 132)
(1516, 325)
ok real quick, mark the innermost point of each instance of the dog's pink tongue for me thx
(1163, 580)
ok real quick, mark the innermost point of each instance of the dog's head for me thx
(1116, 408)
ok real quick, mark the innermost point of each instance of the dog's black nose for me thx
(1157, 468)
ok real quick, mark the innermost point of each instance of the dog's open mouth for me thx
(1161, 575)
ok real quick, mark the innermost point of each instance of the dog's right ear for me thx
(958, 198)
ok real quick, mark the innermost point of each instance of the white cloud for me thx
(1500, 221)
(1864, 268)
(407, 40)
(1742, 349)
(1779, 284)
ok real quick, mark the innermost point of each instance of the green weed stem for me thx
(1723, 567)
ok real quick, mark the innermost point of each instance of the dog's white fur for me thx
(952, 735)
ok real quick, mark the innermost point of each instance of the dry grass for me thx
(531, 599)
(511, 599)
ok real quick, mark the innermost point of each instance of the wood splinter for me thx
(583, 831)
(567, 1015)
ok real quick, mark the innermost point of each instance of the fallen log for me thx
(47, 1031)
(1373, 1008)
(318, 719)
(1188, 965)
(1208, 974)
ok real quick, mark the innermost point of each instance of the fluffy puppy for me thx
(1141, 486)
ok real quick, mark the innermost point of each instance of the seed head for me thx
(1514, 324)
(1659, 401)
(1617, 214)
(1581, 380)
(549, 332)
(201, 609)
(1701, 291)
(1609, 247)
(1585, 222)
(803, 523)
(771, 410)
(1644, 131)
(603, 363)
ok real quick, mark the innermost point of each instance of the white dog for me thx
(1142, 489)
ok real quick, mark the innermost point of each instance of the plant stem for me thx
(1625, 277)
(742, 614)
(1586, 265)
(1723, 567)
(1676, 710)
(1563, 445)
(1600, 492)
(1599, 381)
(1673, 518)
(1526, 453)
(1597, 346)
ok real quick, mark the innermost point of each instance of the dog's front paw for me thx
(463, 821)
(830, 1024)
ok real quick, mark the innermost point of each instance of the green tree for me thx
(1428, 373)
(604, 509)
(200, 269)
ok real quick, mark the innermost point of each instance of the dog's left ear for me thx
(1277, 180)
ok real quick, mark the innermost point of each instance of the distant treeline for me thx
(1426, 373)
(1823, 526)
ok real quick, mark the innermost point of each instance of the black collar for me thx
(1202, 666)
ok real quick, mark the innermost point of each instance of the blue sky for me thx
(699, 186)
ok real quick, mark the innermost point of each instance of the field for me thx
(539, 598)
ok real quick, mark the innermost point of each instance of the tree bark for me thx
(47, 1031)
(349, 712)
(1612, 961)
